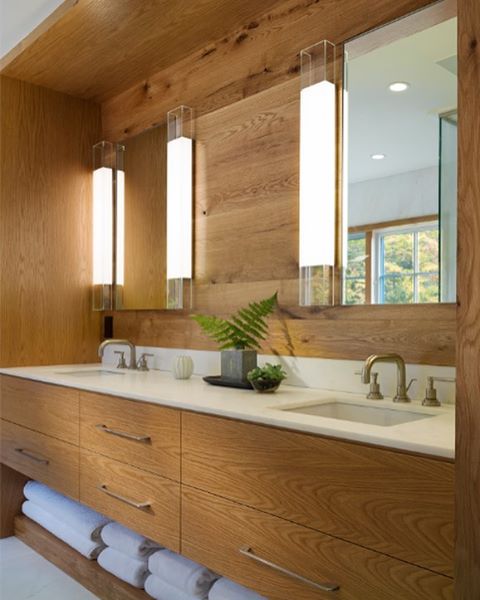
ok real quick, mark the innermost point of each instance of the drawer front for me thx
(137, 433)
(393, 503)
(147, 503)
(40, 457)
(247, 534)
(49, 409)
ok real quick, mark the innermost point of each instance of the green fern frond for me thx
(245, 329)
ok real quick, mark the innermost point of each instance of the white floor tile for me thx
(25, 575)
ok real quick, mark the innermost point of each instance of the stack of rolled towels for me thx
(224, 589)
(72, 522)
(126, 554)
(174, 577)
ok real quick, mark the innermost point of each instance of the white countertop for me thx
(432, 436)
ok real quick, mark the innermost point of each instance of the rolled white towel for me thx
(82, 519)
(224, 589)
(124, 567)
(190, 577)
(161, 590)
(86, 546)
(127, 541)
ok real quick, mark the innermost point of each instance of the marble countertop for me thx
(432, 436)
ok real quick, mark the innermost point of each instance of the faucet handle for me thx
(374, 393)
(410, 383)
(142, 364)
(122, 363)
(431, 398)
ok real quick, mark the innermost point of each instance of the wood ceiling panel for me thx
(97, 48)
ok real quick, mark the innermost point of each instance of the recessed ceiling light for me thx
(377, 156)
(398, 86)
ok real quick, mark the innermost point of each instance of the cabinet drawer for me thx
(138, 433)
(40, 457)
(49, 409)
(394, 503)
(215, 531)
(147, 503)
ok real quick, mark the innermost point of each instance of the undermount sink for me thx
(90, 373)
(370, 415)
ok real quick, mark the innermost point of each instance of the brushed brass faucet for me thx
(133, 357)
(402, 389)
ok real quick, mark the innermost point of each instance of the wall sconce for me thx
(119, 213)
(103, 196)
(179, 207)
(317, 174)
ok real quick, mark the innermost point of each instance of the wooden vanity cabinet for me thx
(398, 504)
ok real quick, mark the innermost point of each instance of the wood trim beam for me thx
(394, 223)
(467, 572)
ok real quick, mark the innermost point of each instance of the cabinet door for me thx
(391, 502)
(141, 434)
(145, 502)
(41, 457)
(236, 541)
(49, 409)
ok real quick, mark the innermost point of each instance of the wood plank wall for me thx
(45, 278)
(245, 89)
(467, 472)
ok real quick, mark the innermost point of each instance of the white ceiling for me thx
(404, 125)
(19, 17)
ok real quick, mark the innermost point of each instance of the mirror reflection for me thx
(401, 110)
(141, 223)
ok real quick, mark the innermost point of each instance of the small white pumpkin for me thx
(182, 367)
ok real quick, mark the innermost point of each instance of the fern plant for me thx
(244, 330)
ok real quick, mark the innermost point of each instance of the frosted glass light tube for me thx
(317, 175)
(179, 208)
(102, 226)
(120, 229)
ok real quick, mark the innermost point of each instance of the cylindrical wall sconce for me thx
(179, 207)
(103, 198)
(317, 174)
(119, 230)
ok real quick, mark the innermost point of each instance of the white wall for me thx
(19, 17)
(400, 196)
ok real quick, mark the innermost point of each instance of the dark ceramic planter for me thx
(236, 364)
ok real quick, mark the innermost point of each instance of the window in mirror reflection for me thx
(401, 197)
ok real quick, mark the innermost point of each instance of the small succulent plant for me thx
(267, 378)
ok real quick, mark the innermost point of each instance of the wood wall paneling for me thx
(468, 315)
(45, 226)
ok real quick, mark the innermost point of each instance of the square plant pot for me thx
(237, 363)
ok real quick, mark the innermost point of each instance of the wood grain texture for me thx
(62, 470)
(161, 454)
(360, 573)
(87, 572)
(48, 409)
(468, 291)
(246, 247)
(45, 171)
(397, 504)
(255, 57)
(145, 222)
(11, 498)
(160, 522)
(84, 53)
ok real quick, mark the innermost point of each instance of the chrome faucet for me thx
(402, 389)
(133, 357)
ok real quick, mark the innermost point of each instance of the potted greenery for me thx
(267, 378)
(239, 337)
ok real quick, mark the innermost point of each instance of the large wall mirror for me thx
(401, 167)
(141, 230)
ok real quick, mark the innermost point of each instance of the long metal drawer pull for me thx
(325, 587)
(140, 505)
(124, 434)
(28, 454)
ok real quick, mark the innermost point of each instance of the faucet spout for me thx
(133, 357)
(401, 394)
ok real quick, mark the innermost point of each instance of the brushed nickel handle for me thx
(32, 456)
(140, 505)
(124, 434)
(325, 587)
